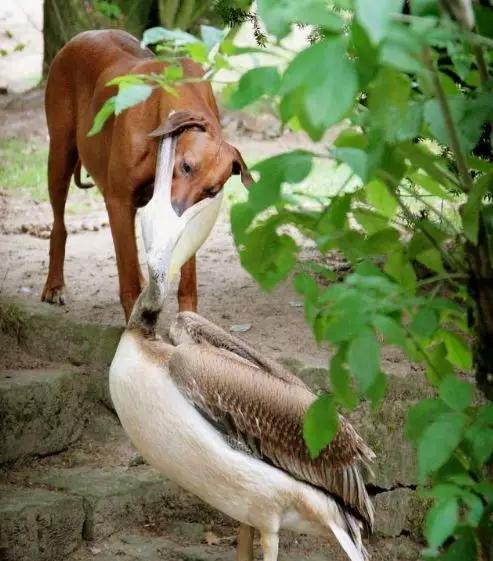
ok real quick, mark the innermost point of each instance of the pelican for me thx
(225, 423)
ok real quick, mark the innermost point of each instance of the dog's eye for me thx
(186, 168)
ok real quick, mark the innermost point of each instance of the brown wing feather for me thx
(189, 326)
(268, 413)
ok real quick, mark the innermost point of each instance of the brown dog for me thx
(122, 157)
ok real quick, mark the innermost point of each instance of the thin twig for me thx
(440, 278)
(449, 122)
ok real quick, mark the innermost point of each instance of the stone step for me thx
(168, 546)
(39, 525)
(46, 333)
(115, 499)
(43, 411)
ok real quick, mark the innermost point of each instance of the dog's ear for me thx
(178, 121)
(240, 168)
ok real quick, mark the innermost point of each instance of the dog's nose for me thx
(179, 207)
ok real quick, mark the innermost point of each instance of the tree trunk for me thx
(185, 14)
(481, 292)
(63, 19)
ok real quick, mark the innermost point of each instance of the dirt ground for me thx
(227, 294)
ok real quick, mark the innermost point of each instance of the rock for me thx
(204, 553)
(43, 411)
(292, 364)
(116, 500)
(39, 525)
(137, 460)
(112, 500)
(240, 327)
(191, 531)
(49, 335)
(316, 378)
(396, 461)
(399, 511)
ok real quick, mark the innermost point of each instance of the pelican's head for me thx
(203, 160)
(184, 206)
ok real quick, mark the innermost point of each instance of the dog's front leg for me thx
(187, 290)
(122, 222)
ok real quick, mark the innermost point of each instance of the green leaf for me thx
(173, 72)
(347, 315)
(383, 242)
(421, 416)
(107, 110)
(355, 158)
(320, 424)
(254, 84)
(290, 167)
(440, 365)
(388, 102)
(131, 95)
(463, 549)
(371, 221)
(379, 196)
(470, 210)
(278, 17)
(441, 521)
(421, 157)
(458, 352)
(390, 329)
(399, 268)
(319, 73)
(476, 509)
(424, 323)
(456, 393)
(211, 36)
(366, 53)
(438, 441)
(364, 358)
(479, 442)
(266, 255)
(197, 52)
(468, 114)
(160, 34)
(432, 259)
(430, 185)
(242, 215)
(376, 392)
(305, 284)
(340, 379)
(376, 17)
(485, 488)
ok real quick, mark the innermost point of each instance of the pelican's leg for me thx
(270, 546)
(245, 543)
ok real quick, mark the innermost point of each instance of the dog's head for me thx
(204, 161)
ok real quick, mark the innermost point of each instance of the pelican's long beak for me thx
(170, 240)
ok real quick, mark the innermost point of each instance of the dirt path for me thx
(227, 294)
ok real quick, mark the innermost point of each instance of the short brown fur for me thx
(121, 159)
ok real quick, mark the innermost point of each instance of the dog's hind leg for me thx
(61, 163)
(62, 159)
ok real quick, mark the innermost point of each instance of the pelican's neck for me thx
(160, 229)
(148, 306)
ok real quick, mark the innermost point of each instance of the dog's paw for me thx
(55, 295)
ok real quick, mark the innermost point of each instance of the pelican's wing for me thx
(190, 327)
(264, 415)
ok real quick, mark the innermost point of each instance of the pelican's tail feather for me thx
(350, 538)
